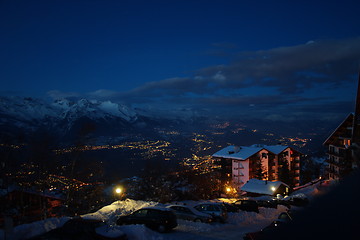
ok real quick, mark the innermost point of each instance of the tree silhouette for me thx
(257, 168)
(284, 172)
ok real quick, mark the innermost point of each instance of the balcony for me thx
(271, 164)
(342, 153)
(238, 168)
(341, 163)
(239, 175)
(336, 154)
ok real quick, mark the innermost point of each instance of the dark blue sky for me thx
(260, 58)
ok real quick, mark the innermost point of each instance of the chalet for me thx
(29, 206)
(255, 187)
(239, 164)
(343, 144)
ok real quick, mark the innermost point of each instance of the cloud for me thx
(289, 70)
(219, 77)
(307, 80)
(292, 69)
(103, 93)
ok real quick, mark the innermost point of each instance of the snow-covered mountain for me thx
(30, 114)
(93, 109)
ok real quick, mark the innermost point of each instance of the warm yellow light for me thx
(228, 189)
(118, 190)
(273, 189)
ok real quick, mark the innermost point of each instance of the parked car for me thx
(230, 208)
(282, 219)
(80, 228)
(298, 200)
(283, 202)
(190, 213)
(260, 235)
(267, 203)
(216, 210)
(247, 205)
(156, 218)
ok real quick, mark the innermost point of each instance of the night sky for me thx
(274, 60)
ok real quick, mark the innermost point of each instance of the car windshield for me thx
(155, 213)
(214, 208)
(284, 216)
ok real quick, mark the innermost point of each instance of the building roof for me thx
(235, 152)
(261, 186)
(276, 148)
(242, 153)
(349, 118)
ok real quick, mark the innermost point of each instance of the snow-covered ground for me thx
(237, 225)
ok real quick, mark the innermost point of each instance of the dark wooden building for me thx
(28, 206)
(344, 143)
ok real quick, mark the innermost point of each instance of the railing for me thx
(340, 163)
(238, 168)
(340, 154)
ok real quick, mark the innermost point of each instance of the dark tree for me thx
(257, 168)
(309, 170)
(284, 172)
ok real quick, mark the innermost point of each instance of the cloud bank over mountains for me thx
(316, 79)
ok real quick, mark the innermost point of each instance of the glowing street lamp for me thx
(228, 189)
(118, 190)
(273, 189)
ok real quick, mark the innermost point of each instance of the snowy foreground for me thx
(237, 225)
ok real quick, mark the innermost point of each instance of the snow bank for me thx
(109, 231)
(241, 221)
(140, 232)
(252, 218)
(111, 212)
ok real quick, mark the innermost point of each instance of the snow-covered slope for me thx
(26, 108)
(93, 109)
(31, 113)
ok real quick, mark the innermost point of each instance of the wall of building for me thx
(263, 155)
(240, 172)
(272, 167)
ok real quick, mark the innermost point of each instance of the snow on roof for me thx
(242, 153)
(261, 186)
(234, 152)
(276, 148)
